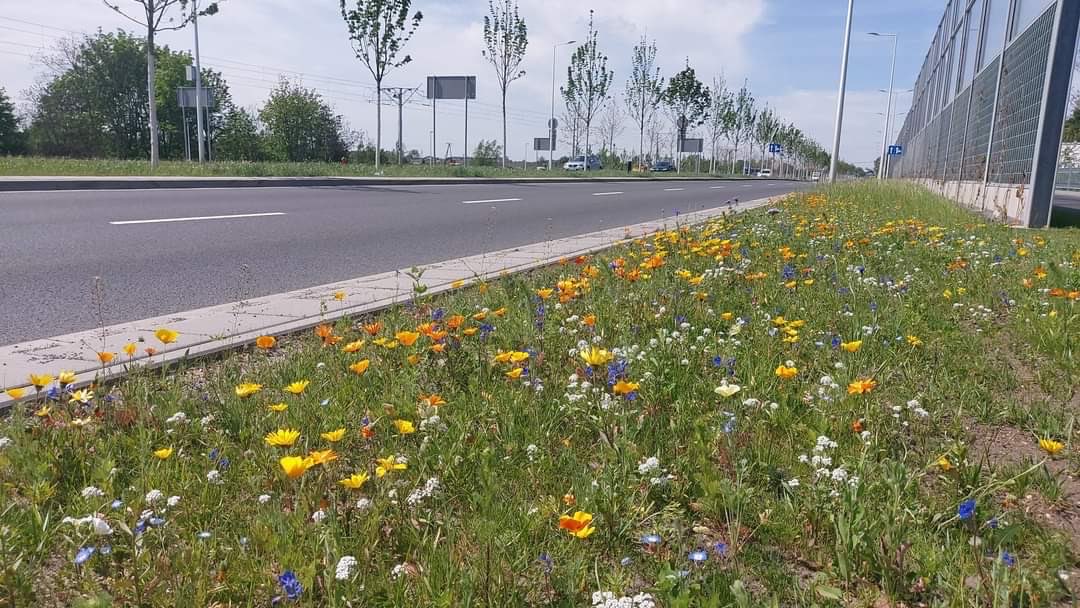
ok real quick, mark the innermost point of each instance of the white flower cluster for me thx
(650, 467)
(822, 462)
(213, 476)
(92, 492)
(153, 496)
(96, 522)
(430, 488)
(318, 516)
(757, 403)
(344, 567)
(607, 599)
(399, 571)
(432, 424)
(532, 452)
(826, 387)
(5, 442)
(177, 418)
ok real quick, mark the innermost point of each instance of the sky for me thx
(787, 50)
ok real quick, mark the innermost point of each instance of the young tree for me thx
(742, 120)
(10, 137)
(239, 137)
(487, 153)
(301, 127)
(610, 126)
(720, 116)
(159, 16)
(378, 30)
(644, 89)
(689, 102)
(587, 82)
(506, 38)
(764, 131)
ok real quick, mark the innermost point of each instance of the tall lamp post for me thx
(888, 110)
(551, 123)
(198, 81)
(843, 89)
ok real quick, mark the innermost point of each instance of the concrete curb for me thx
(61, 183)
(206, 331)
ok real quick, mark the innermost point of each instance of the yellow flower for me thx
(295, 466)
(622, 387)
(352, 347)
(334, 436)
(387, 465)
(247, 389)
(470, 331)
(355, 481)
(40, 381)
(518, 357)
(458, 284)
(596, 356)
(407, 338)
(852, 346)
(404, 427)
(413, 359)
(43, 412)
(65, 378)
(283, 438)
(339, 296)
(727, 316)
(432, 400)
(861, 386)
(1051, 446)
(278, 407)
(545, 293)
(265, 342)
(503, 357)
(577, 524)
(322, 456)
(297, 387)
(360, 367)
(166, 335)
(16, 393)
(163, 453)
(515, 373)
(914, 341)
(944, 464)
(84, 396)
(130, 348)
(106, 357)
(786, 373)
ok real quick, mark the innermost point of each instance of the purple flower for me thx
(290, 585)
(966, 509)
(1008, 559)
(720, 548)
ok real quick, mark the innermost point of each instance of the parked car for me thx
(663, 166)
(578, 163)
(815, 176)
(765, 173)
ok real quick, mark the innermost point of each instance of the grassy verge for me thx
(838, 402)
(31, 166)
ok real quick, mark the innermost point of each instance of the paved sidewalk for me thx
(216, 328)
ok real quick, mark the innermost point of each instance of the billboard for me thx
(185, 97)
(692, 145)
(451, 87)
(541, 144)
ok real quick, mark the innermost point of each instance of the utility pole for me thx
(843, 89)
(198, 81)
(398, 95)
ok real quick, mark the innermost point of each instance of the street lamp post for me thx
(551, 123)
(888, 111)
(198, 80)
(843, 86)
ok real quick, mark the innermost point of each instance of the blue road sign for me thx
(776, 149)
(896, 150)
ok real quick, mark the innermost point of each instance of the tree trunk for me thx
(378, 123)
(588, 124)
(735, 155)
(151, 73)
(504, 127)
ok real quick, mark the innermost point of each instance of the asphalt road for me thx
(52, 244)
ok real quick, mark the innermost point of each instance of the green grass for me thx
(31, 166)
(929, 289)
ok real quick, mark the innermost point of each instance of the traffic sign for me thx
(896, 150)
(776, 149)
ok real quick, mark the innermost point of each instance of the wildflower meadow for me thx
(861, 396)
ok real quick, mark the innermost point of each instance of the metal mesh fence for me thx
(979, 120)
(956, 136)
(1020, 103)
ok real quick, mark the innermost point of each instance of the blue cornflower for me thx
(615, 371)
(438, 314)
(1008, 559)
(873, 306)
(966, 509)
(546, 562)
(718, 361)
(836, 341)
(213, 455)
(84, 554)
(140, 527)
(789, 272)
(116, 504)
(861, 269)
(631, 396)
(720, 548)
(223, 464)
(365, 421)
(486, 329)
(699, 556)
(680, 319)
(651, 539)
(290, 584)
(157, 522)
(993, 523)
(729, 426)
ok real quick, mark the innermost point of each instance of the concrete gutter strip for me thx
(32, 183)
(216, 328)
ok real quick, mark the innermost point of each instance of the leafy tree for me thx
(378, 30)
(587, 81)
(506, 39)
(301, 127)
(720, 116)
(1072, 126)
(158, 16)
(765, 130)
(487, 153)
(11, 139)
(742, 120)
(688, 100)
(96, 104)
(239, 137)
(644, 89)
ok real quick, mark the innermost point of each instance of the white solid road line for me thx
(491, 200)
(193, 219)
(605, 193)
(673, 189)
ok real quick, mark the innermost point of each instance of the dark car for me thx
(663, 166)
